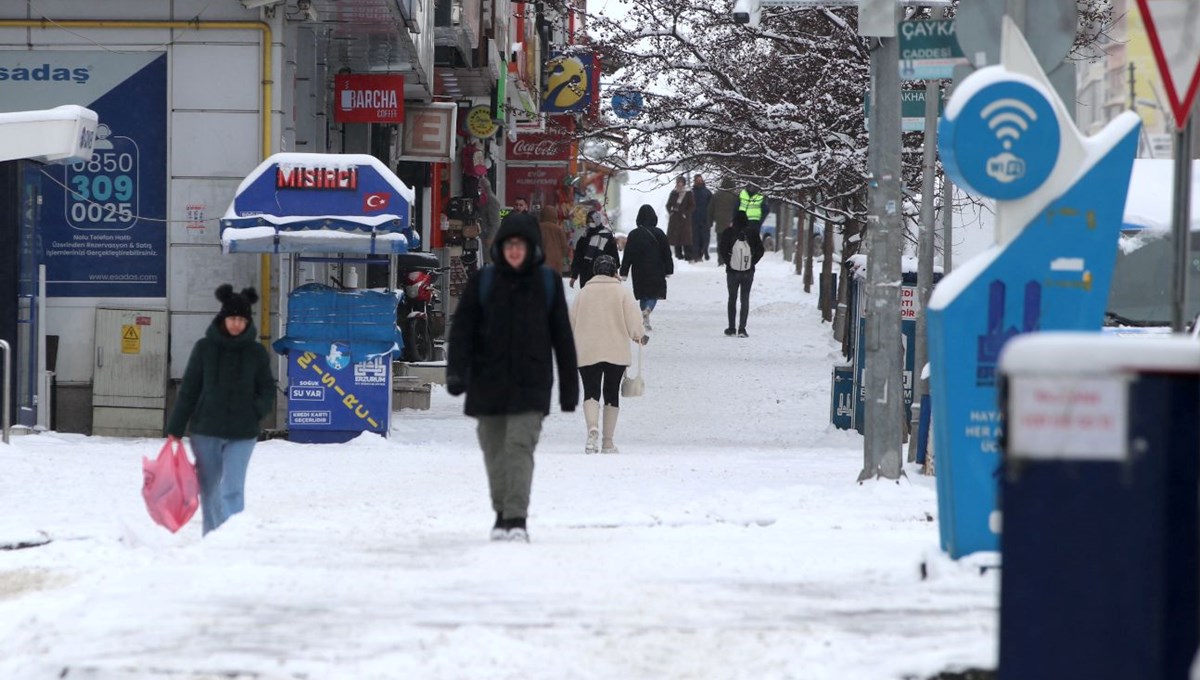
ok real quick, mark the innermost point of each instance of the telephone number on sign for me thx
(115, 213)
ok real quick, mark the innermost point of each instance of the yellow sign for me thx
(479, 122)
(131, 339)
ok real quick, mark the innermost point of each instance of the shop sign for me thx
(480, 123)
(571, 83)
(101, 220)
(362, 98)
(302, 177)
(539, 183)
(429, 133)
(539, 147)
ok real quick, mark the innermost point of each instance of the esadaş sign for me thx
(1003, 141)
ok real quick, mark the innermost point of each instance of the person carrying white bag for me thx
(604, 318)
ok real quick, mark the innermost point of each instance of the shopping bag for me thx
(633, 387)
(170, 486)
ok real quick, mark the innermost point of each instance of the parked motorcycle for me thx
(419, 314)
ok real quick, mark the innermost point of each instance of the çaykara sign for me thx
(912, 110)
(368, 98)
(929, 50)
(102, 222)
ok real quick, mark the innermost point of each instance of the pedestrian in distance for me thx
(741, 248)
(510, 329)
(227, 390)
(700, 222)
(754, 204)
(680, 205)
(604, 318)
(648, 258)
(554, 239)
(596, 241)
(520, 204)
(489, 216)
(720, 210)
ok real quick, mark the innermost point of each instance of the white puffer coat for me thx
(604, 318)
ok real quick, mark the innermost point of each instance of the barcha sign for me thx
(363, 98)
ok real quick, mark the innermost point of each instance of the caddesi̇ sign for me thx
(360, 98)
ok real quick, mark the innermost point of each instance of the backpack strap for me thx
(487, 278)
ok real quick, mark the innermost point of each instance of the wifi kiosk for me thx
(1060, 200)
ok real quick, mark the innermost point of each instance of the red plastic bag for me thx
(170, 488)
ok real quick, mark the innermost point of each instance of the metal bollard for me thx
(7, 388)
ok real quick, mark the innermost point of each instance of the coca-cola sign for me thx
(539, 147)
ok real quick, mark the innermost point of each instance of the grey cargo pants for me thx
(508, 442)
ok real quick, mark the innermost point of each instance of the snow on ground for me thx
(728, 539)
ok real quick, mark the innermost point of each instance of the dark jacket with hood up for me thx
(500, 352)
(649, 255)
(227, 388)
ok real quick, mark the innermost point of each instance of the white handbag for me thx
(634, 386)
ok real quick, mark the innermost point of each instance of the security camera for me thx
(253, 4)
(747, 12)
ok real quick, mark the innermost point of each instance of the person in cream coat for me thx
(604, 319)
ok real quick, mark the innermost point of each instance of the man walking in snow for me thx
(741, 248)
(700, 229)
(512, 316)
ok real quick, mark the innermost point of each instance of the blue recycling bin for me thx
(1099, 506)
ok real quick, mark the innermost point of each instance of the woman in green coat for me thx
(227, 390)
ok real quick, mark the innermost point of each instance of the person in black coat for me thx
(511, 317)
(598, 240)
(227, 390)
(648, 255)
(701, 229)
(739, 280)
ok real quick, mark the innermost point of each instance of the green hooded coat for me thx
(227, 388)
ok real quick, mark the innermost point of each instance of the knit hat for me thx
(236, 304)
(604, 265)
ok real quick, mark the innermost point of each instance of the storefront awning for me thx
(320, 203)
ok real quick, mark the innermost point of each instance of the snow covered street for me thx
(728, 539)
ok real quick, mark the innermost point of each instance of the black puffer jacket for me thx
(227, 387)
(500, 350)
(648, 254)
(581, 264)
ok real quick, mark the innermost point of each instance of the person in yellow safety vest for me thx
(754, 205)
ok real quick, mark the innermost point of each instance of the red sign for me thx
(302, 177)
(1171, 26)
(539, 184)
(360, 98)
(375, 202)
(541, 147)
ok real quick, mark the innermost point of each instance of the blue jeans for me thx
(648, 303)
(221, 466)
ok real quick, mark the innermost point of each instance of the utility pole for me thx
(884, 407)
(924, 257)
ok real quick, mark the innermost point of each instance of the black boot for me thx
(516, 530)
(499, 529)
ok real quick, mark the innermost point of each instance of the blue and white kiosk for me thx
(338, 341)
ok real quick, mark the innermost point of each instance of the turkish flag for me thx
(375, 202)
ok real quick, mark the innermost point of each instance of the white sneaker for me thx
(593, 441)
(518, 535)
(499, 534)
(612, 448)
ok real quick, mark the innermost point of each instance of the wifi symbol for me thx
(1004, 117)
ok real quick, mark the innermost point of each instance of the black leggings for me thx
(739, 280)
(610, 374)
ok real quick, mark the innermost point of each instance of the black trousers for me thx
(739, 286)
(602, 377)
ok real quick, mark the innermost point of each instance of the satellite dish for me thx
(627, 105)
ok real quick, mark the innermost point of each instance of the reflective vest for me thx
(751, 205)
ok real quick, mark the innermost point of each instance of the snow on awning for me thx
(64, 134)
(320, 203)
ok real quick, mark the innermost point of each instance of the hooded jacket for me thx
(227, 387)
(648, 255)
(581, 263)
(500, 353)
